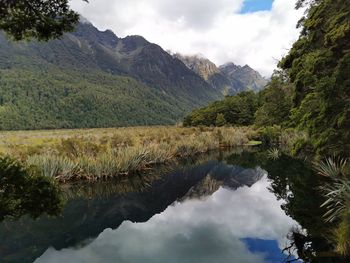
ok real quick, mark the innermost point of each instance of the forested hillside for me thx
(90, 78)
(71, 99)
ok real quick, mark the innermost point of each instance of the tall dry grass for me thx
(104, 153)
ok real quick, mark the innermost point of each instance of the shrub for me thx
(270, 135)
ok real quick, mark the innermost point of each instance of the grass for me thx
(337, 195)
(94, 154)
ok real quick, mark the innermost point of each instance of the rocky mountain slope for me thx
(90, 78)
(247, 77)
(228, 79)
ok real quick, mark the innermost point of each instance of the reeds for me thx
(53, 166)
(105, 153)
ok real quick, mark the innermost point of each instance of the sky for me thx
(253, 32)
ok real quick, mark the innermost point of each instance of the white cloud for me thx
(210, 27)
(207, 230)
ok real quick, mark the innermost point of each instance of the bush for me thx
(270, 135)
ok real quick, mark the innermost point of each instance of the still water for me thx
(225, 207)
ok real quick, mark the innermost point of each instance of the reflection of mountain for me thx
(227, 176)
(85, 219)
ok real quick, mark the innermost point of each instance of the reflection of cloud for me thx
(193, 231)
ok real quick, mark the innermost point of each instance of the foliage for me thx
(71, 99)
(23, 191)
(318, 65)
(337, 194)
(270, 135)
(220, 120)
(276, 103)
(274, 153)
(234, 110)
(37, 19)
(332, 167)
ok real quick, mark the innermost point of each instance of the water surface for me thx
(226, 207)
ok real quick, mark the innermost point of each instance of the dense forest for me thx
(248, 108)
(71, 99)
(310, 91)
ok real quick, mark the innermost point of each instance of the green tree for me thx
(40, 19)
(276, 104)
(220, 120)
(319, 68)
(236, 110)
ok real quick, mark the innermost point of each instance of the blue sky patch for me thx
(251, 6)
(269, 248)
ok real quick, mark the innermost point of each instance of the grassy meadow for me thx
(93, 154)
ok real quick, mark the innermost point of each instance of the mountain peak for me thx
(228, 78)
(229, 64)
(84, 20)
(199, 64)
(249, 78)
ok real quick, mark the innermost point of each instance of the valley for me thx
(91, 78)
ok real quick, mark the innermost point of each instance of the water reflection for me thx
(215, 229)
(227, 207)
(24, 192)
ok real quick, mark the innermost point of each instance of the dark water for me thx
(226, 207)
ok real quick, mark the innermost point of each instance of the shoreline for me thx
(95, 154)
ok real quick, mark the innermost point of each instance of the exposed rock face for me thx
(202, 66)
(228, 79)
(247, 77)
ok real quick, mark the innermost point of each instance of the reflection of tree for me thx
(300, 244)
(90, 209)
(294, 181)
(23, 191)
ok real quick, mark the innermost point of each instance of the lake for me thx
(232, 206)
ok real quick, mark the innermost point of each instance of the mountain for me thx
(202, 66)
(247, 77)
(229, 79)
(91, 78)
